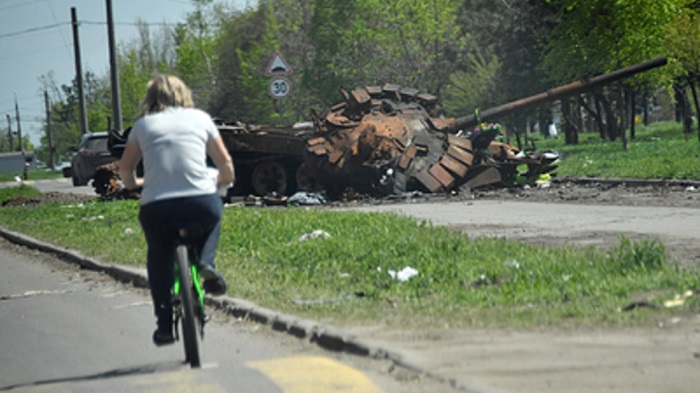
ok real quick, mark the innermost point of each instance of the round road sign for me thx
(279, 87)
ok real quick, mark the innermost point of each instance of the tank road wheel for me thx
(305, 180)
(269, 177)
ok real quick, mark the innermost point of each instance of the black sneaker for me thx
(163, 337)
(214, 283)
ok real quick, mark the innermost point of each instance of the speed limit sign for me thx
(279, 87)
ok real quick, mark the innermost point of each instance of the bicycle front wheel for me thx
(189, 327)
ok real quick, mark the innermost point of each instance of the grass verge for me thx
(345, 278)
(659, 151)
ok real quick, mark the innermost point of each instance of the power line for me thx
(19, 5)
(33, 30)
(165, 24)
(54, 25)
(59, 31)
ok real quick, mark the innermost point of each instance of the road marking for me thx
(314, 374)
(183, 381)
(34, 293)
(131, 305)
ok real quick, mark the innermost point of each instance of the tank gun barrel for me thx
(557, 93)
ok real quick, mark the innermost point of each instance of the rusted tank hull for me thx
(267, 159)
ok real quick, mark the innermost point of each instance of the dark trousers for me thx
(159, 221)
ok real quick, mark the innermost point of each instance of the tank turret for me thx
(382, 140)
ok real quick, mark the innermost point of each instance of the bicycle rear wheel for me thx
(189, 327)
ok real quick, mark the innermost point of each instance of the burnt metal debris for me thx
(382, 140)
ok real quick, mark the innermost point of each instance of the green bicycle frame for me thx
(195, 281)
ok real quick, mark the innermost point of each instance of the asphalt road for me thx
(56, 185)
(562, 223)
(70, 330)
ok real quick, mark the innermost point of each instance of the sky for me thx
(36, 37)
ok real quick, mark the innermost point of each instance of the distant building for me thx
(14, 162)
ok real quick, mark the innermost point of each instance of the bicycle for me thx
(187, 292)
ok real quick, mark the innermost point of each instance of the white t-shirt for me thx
(173, 144)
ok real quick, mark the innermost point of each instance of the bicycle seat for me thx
(188, 231)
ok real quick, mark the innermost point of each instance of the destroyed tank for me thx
(384, 140)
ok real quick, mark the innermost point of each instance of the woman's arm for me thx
(218, 153)
(127, 166)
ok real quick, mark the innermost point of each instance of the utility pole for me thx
(114, 71)
(79, 73)
(52, 149)
(19, 126)
(9, 132)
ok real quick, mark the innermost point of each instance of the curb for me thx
(326, 337)
(627, 181)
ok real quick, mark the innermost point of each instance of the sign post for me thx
(279, 86)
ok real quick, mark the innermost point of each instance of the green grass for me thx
(344, 279)
(19, 191)
(659, 151)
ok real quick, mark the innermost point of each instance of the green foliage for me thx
(372, 42)
(139, 61)
(631, 257)
(64, 112)
(596, 36)
(473, 89)
(242, 95)
(27, 145)
(682, 43)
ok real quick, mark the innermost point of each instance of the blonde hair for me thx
(166, 91)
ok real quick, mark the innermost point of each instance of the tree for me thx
(196, 57)
(597, 36)
(474, 88)
(410, 43)
(64, 112)
(682, 44)
(139, 61)
(241, 91)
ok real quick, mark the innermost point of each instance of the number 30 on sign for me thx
(279, 87)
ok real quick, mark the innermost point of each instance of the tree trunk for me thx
(632, 95)
(610, 121)
(593, 115)
(683, 109)
(579, 119)
(622, 107)
(518, 127)
(570, 135)
(693, 90)
(599, 117)
(679, 101)
(645, 97)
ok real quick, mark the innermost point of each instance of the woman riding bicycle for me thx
(174, 140)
